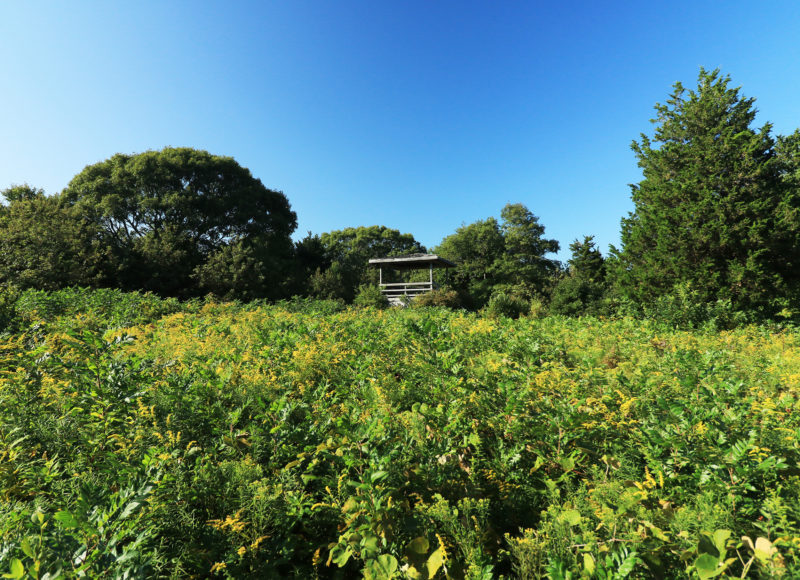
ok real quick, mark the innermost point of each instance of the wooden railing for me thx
(395, 292)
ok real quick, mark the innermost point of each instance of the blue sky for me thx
(417, 115)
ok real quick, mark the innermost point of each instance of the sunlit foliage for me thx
(307, 440)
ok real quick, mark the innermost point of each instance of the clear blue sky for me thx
(417, 115)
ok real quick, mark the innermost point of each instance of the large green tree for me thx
(507, 256)
(523, 262)
(345, 257)
(477, 250)
(183, 222)
(712, 212)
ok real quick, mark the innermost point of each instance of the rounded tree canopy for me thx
(209, 198)
(167, 214)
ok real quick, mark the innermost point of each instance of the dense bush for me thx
(369, 295)
(302, 305)
(502, 304)
(109, 308)
(9, 295)
(684, 308)
(443, 297)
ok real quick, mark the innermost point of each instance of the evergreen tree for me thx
(581, 291)
(712, 212)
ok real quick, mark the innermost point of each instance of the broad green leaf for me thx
(376, 475)
(17, 570)
(387, 565)
(66, 519)
(129, 509)
(720, 540)
(627, 565)
(588, 563)
(571, 517)
(708, 566)
(25, 544)
(706, 546)
(418, 546)
(369, 547)
(435, 562)
(341, 558)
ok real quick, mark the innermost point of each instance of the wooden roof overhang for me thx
(412, 262)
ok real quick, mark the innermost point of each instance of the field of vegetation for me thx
(142, 437)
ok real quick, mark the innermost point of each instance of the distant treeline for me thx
(714, 236)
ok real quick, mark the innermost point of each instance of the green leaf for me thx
(66, 519)
(25, 544)
(418, 546)
(720, 540)
(708, 566)
(340, 557)
(627, 565)
(17, 569)
(571, 517)
(588, 563)
(376, 475)
(435, 562)
(130, 507)
(52, 575)
(567, 464)
(369, 547)
(706, 546)
(386, 565)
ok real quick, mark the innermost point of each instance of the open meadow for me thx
(142, 437)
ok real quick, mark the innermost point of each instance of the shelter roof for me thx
(412, 261)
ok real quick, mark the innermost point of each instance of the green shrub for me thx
(537, 309)
(439, 297)
(301, 305)
(683, 308)
(107, 307)
(577, 296)
(9, 295)
(501, 304)
(370, 296)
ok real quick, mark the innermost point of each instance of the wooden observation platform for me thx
(396, 292)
